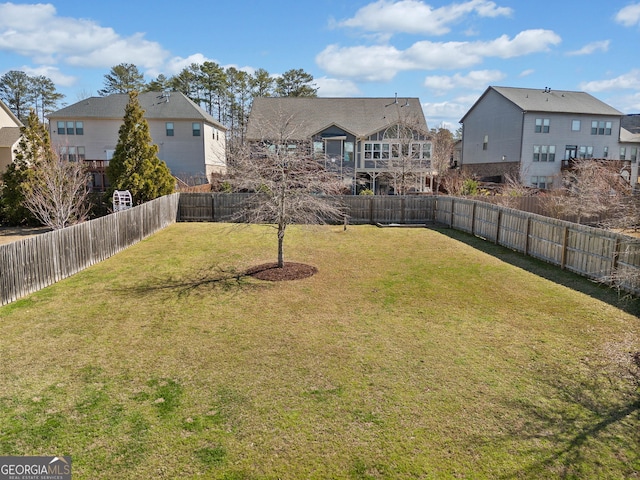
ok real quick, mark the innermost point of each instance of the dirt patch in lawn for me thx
(290, 271)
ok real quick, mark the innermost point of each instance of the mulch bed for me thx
(290, 271)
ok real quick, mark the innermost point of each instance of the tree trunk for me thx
(281, 229)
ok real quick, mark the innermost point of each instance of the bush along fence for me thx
(33, 263)
(597, 254)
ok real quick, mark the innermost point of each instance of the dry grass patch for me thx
(409, 354)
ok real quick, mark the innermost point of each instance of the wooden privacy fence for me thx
(591, 252)
(587, 251)
(220, 207)
(33, 263)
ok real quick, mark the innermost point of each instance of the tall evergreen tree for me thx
(33, 146)
(45, 96)
(122, 78)
(16, 91)
(296, 83)
(262, 83)
(135, 165)
(160, 84)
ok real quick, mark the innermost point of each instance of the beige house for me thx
(190, 141)
(9, 136)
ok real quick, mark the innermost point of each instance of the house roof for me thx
(11, 115)
(359, 116)
(157, 106)
(551, 101)
(631, 122)
(9, 136)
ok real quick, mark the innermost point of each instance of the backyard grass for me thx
(412, 353)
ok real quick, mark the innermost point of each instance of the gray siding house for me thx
(532, 132)
(364, 140)
(191, 142)
(9, 136)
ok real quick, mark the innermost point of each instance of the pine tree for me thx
(34, 144)
(135, 165)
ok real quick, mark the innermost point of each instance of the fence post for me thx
(565, 243)
(473, 217)
(526, 238)
(451, 216)
(498, 226)
(371, 209)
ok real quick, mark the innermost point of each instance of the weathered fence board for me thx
(30, 264)
(33, 263)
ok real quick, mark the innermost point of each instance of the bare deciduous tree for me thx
(442, 152)
(512, 191)
(289, 185)
(592, 187)
(409, 160)
(57, 192)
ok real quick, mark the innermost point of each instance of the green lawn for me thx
(412, 353)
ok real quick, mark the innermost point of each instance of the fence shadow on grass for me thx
(621, 300)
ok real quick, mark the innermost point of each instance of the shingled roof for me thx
(552, 101)
(359, 116)
(9, 136)
(157, 106)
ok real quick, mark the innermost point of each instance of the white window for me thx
(195, 128)
(542, 125)
(169, 129)
(575, 125)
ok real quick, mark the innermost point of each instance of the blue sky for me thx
(444, 52)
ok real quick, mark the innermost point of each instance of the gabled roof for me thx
(630, 128)
(631, 123)
(360, 116)
(10, 114)
(9, 136)
(157, 106)
(551, 101)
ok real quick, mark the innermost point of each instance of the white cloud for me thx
(374, 63)
(333, 87)
(629, 80)
(447, 113)
(383, 62)
(418, 17)
(629, 15)
(589, 48)
(36, 31)
(53, 73)
(475, 80)
(176, 64)
(527, 72)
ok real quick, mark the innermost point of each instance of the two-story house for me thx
(190, 141)
(530, 132)
(369, 142)
(9, 136)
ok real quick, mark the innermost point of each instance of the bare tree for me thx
(441, 155)
(592, 187)
(57, 193)
(410, 156)
(54, 191)
(288, 184)
(512, 191)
